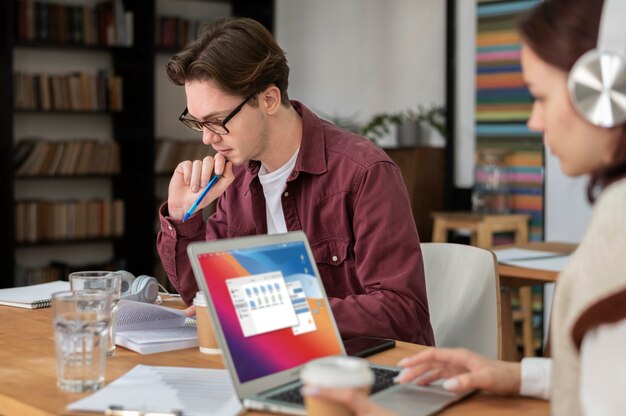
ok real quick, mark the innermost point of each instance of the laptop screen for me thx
(270, 307)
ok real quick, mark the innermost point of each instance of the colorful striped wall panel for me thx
(503, 105)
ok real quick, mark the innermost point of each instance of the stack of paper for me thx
(193, 391)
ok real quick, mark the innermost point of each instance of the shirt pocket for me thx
(331, 251)
(233, 232)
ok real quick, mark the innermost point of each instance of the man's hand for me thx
(190, 311)
(190, 177)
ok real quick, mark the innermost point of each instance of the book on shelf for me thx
(39, 157)
(104, 23)
(37, 220)
(77, 91)
(170, 152)
(32, 297)
(147, 329)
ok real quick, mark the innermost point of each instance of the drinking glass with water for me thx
(81, 324)
(111, 283)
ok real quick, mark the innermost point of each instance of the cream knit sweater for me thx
(597, 268)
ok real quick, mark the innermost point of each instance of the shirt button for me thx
(286, 194)
(335, 258)
(169, 226)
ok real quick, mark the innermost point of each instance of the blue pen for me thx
(205, 191)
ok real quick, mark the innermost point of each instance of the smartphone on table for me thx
(366, 346)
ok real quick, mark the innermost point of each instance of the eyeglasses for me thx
(217, 127)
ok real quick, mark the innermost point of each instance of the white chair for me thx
(463, 290)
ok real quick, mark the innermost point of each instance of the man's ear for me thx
(270, 99)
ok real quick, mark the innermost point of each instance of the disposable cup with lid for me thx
(337, 372)
(207, 341)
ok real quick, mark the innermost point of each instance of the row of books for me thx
(77, 91)
(175, 32)
(39, 220)
(170, 153)
(26, 276)
(36, 157)
(105, 23)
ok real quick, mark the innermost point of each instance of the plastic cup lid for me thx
(200, 299)
(338, 372)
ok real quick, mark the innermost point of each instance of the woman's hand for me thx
(463, 369)
(190, 178)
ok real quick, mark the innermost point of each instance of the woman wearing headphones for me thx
(588, 330)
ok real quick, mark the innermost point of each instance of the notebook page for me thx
(29, 296)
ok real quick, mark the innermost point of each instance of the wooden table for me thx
(481, 226)
(28, 374)
(515, 276)
(521, 277)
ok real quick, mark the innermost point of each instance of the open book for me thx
(147, 328)
(32, 297)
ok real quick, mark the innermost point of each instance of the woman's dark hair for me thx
(560, 32)
(239, 54)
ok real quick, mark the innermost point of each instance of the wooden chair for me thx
(463, 291)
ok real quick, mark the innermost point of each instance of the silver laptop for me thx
(271, 315)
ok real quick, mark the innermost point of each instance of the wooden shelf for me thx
(132, 128)
(67, 242)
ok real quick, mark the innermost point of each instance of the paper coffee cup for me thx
(335, 373)
(206, 334)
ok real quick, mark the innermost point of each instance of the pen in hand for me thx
(205, 191)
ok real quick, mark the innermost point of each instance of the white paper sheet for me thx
(533, 259)
(194, 391)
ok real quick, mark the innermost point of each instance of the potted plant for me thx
(381, 125)
(412, 129)
(345, 122)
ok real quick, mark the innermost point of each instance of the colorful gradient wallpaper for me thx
(270, 307)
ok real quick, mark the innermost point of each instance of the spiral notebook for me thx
(32, 297)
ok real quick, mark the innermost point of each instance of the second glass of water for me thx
(111, 283)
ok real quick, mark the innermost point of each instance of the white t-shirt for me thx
(273, 186)
(602, 372)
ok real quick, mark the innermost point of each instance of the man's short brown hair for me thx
(239, 54)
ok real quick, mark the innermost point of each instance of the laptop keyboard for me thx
(289, 396)
(383, 378)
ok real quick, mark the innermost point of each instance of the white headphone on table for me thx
(141, 288)
(597, 81)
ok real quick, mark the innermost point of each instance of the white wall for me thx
(567, 211)
(359, 57)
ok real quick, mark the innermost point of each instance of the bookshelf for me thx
(129, 127)
(62, 88)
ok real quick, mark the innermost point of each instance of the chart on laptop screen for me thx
(270, 307)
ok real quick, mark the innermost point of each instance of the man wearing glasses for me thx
(282, 168)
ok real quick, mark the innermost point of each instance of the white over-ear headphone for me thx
(141, 288)
(597, 81)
